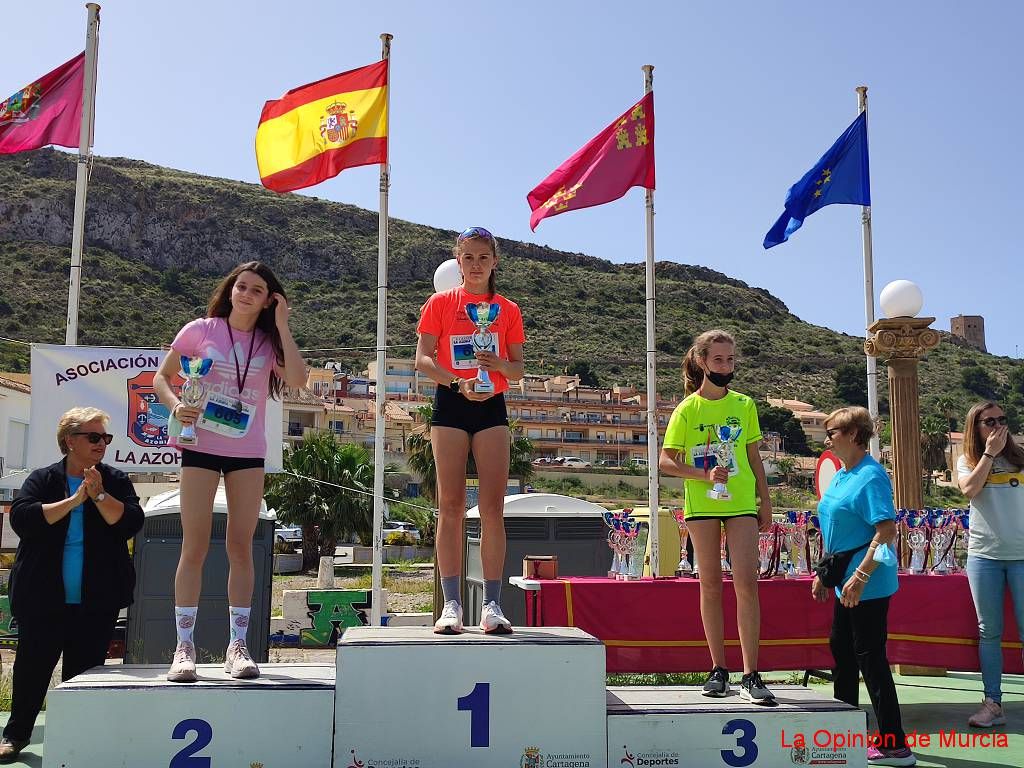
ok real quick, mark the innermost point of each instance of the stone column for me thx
(901, 341)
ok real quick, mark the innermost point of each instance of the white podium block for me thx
(131, 717)
(676, 726)
(407, 698)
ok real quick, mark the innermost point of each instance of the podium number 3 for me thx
(745, 733)
(204, 734)
(478, 703)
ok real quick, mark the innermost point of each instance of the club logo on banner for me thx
(119, 382)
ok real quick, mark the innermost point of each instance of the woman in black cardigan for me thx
(72, 574)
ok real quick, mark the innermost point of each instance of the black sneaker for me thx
(753, 689)
(717, 684)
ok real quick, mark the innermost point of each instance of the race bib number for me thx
(223, 416)
(463, 354)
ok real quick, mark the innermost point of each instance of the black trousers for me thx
(858, 647)
(82, 636)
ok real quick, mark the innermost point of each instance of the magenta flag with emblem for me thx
(618, 158)
(47, 111)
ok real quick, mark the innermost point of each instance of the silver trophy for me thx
(917, 540)
(614, 523)
(723, 451)
(726, 567)
(765, 553)
(193, 393)
(797, 540)
(482, 315)
(636, 549)
(683, 568)
(943, 542)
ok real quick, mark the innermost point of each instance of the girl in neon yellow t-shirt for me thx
(711, 441)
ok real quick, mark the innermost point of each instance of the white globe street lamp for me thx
(901, 298)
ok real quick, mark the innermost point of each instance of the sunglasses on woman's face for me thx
(95, 437)
(991, 421)
(833, 431)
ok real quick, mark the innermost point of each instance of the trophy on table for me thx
(917, 540)
(482, 315)
(797, 540)
(683, 568)
(636, 547)
(944, 535)
(814, 542)
(614, 523)
(766, 553)
(726, 566)
(723, 452)
(192, 393)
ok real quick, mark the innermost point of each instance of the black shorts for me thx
(218, 464)
(453, 410)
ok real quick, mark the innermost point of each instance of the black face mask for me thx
(720, 379)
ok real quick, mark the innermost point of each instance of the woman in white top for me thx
(991, 475)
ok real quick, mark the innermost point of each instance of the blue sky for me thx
(487, 99)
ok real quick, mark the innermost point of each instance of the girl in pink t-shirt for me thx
(245, 333)
(465, 419)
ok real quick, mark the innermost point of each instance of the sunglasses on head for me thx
(991, 421)
(475, 232)
(95, 437)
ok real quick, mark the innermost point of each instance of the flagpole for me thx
(869, 291)
(82, 177)
(652, 381)
(382, 339)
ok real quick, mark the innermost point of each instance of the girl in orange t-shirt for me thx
(466, 420)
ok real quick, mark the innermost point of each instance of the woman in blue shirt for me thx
(72, 574)
(857, 517)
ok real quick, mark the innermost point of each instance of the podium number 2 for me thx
(478, 703)
(204, 734)
(745, 733)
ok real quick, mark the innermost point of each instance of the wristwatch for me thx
(454, 385)
(101, 496)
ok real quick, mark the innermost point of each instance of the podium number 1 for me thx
(478, 703)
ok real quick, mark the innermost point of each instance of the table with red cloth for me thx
(653, 625)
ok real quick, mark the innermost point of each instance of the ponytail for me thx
(693, 374)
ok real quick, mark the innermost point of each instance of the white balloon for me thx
(447, 276)
(901, 298)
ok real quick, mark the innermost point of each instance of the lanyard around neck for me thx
(239, 376)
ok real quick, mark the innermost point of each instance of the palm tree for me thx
(420, 455)
(934, 438)
(327, 488)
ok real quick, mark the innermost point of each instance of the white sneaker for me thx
(493, 621)
(183, 667)
(238, 663)
(450, 620)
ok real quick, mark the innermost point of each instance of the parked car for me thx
(290, 533)
(608, 463)
(395, 529)
(575, 461)
(542, 461)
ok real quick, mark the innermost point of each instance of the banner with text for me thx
(120, 382)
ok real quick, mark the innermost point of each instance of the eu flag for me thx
(840, 176)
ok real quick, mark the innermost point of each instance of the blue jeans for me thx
(988, 580)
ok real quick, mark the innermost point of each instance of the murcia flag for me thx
(49, 111)
(316, 131)
(618, 158)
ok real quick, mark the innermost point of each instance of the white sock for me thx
(185, 622)
(239, 620)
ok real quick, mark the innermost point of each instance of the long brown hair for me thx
(693, 374)
(492, 283)
(220, 306)
(974, 446)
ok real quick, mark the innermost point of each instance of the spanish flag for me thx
(316, 131)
